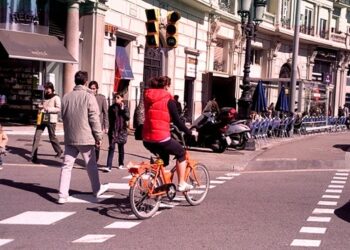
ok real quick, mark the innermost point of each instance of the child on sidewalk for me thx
(3, 143)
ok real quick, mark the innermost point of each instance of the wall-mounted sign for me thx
(191, 66)
(28, 15)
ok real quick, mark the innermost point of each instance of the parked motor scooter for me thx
(238, 131)
(211, 133)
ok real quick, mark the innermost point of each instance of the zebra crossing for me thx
(41, 218)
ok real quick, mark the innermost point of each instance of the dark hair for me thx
(115, 94)
(159, 82)
(49, 85)
(93, 83)
(81, 77)
(176, 97)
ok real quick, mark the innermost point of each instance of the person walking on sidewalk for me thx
(102, 106)
(82, 132)
(3, 143)
(118, 114)
(50, 106)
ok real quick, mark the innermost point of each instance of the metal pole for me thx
(295, 59)
(246, 99)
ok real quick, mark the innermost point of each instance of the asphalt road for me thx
(280, 199)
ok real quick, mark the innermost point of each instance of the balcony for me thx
(226, 5)
(307, 30)
(286, 23)
(343, 3)
(339, 38)
(324, 34)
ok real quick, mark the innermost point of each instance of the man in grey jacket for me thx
(82, 132)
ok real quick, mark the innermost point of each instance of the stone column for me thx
(93, 21)
(72, 44)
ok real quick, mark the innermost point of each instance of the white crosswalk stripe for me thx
(94, 238)
(36, 218)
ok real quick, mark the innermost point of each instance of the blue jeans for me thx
(111, 149)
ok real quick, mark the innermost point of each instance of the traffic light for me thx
(152, 27)
(172, 29)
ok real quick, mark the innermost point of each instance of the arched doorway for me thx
(285, 72)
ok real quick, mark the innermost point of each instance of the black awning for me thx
(32, 46)
(123, 69)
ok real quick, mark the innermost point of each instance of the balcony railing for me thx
(339, 38)
(286, 23)
(226, 5)
(307, 30)
(324, 34)
(345, 2)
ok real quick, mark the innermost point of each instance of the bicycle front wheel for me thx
(142, 204)
(200, 180)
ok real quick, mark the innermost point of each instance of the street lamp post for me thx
(251, 17)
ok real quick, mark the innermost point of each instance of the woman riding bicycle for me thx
(160, 110)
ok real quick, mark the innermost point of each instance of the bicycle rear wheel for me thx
(200, 180)
(142, 205)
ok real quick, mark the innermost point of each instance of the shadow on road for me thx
(31, 187)
(343, 212)
(24, 153)
(344, 147)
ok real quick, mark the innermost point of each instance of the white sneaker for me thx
(184, 187)
(103, 189)
(120, 167)
(62, 200)
(106, 169)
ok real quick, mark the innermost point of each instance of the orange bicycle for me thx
(151, 182)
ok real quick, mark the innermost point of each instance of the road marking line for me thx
(196, 192)
(305, 243)
(36, 218)
(179, 198)
(216, 182)
(323, 211)
(165, 205)
(318, 219)
(327, 203)
(335, 186)
(123, 224)
(121, 186)
(329, 196)
(342, 174)
(87, 198)
(313, 230)
(339, 178)
(276, 159)
(338, 182)
(127, 177)
(5, 241)
(233, 174)
(343, 170)
(338, 191)
(94, 238)
(224, 178)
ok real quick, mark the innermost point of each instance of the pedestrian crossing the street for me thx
(323, 213)
(42, 218)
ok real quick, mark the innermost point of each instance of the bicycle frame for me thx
(160, 172)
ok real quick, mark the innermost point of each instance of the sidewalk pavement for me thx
(230, 160)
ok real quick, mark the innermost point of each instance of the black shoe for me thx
(58, 155)
(34, 159)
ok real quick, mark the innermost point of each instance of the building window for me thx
(219, 56)
(256, 57)
(307, 27)
(323, 28)
(285, 14)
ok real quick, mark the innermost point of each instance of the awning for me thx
(31, 46)
(123, 69)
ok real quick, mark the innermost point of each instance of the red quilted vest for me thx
(156, 126)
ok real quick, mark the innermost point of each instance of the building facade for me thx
(107, 39)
